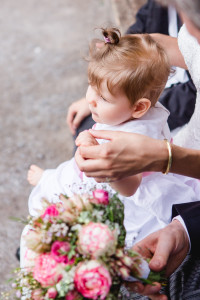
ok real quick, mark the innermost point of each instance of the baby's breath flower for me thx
(59, 229)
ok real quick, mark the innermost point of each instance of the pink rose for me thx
(59, 251)
(92, 280)
(51, 211)
(52, 293)
(37, 294)
(72, 295)
(47, 271)
(96, 239)
(100, 197)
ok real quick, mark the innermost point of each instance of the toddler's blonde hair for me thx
(133, 64)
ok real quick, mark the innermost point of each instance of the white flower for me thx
(67, 282)
(59, 229)
(76, 227)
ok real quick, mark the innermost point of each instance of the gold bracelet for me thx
(169, 148)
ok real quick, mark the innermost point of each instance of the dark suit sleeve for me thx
(151, 18)
(141, 18)
(190, 213)
(180, 101)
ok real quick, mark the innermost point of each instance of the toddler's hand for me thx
(77, 111)
(85, 139)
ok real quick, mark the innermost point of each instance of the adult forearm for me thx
(170, 45)
(129, 154)
(185, 161)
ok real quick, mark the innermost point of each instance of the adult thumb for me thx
(103, 134)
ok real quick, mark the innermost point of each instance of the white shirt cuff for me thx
(183, 224)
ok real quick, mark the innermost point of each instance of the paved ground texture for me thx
(42, 71)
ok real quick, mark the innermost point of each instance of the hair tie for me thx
(107, 40)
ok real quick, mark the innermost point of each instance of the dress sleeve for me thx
(190, 213)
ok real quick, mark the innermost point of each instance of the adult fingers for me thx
(157, 297)
(143, 250)
(87, 165)
(162, 252)
(152, 291)
(103, 134)
(92, 152)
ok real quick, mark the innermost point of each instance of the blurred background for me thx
(42, 71)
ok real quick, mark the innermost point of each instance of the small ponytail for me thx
(111, 35)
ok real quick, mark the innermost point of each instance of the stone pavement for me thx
(42, 71)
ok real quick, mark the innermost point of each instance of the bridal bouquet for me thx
(76, 250)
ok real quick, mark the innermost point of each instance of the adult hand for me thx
(124, 155)
(77, 111)
(168, 247)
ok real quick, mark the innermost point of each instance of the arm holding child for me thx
(126, 186)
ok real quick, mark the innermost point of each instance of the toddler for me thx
(126, 77)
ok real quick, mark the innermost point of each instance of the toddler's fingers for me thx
(78, 142)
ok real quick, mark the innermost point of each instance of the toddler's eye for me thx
(103, 98)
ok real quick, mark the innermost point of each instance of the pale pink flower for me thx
(68, 217)
(47, 271)
(100, 197)
(59, 251)
(18, 294)
(52, 293)
(92, 280)
(50, 211)
(86, 201)
(29, 258)
(37, 294)
(77, 202)
(96, 239)
(34, 241)
(69, 213)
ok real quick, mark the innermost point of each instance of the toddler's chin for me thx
(96, 118)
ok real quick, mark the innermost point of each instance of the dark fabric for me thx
(183, 284)
(179, 99)
(86, 124)
(151, 18)
(190, 213)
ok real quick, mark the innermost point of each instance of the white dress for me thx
(189, 136)
(149, 209)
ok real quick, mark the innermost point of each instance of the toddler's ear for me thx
(140, 107)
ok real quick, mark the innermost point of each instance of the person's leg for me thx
(184, 283)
